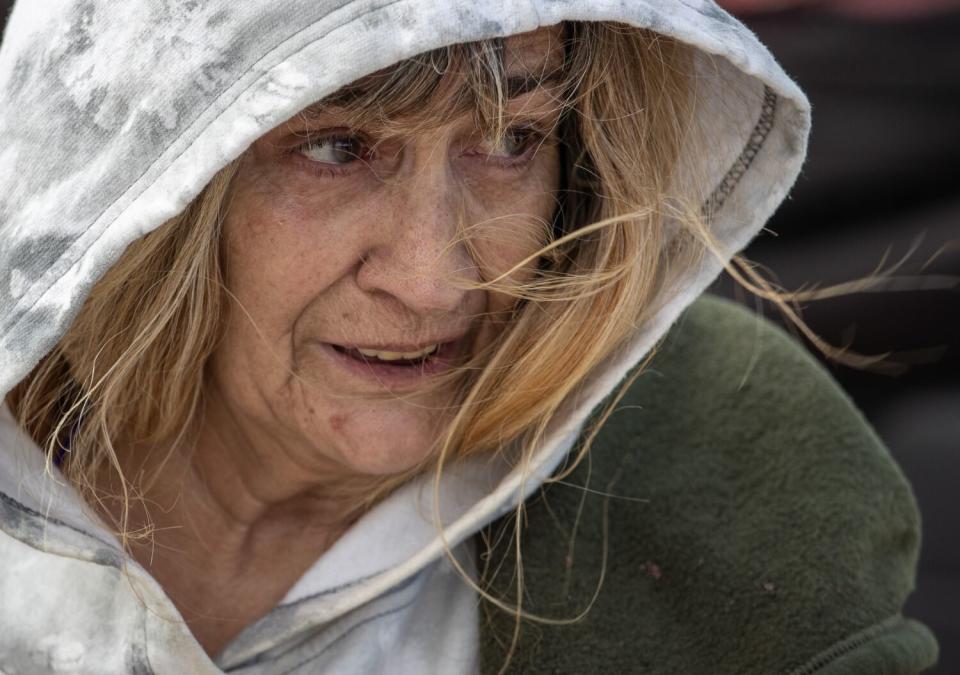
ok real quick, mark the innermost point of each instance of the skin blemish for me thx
(337, 422)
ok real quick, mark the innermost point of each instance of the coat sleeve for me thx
(750, 518)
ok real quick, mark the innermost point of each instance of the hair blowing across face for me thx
(130, 371)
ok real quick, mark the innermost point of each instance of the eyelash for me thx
(536, 137)
(534, 140)
(323, 169)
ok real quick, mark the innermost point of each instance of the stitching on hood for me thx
(757, 138)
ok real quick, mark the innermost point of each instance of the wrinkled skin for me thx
(360, 253)
(329, 239)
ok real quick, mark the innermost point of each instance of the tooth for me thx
(396, 356)
(423, 352)
(383, 356)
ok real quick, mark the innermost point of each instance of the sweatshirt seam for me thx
(281, 653)
(848, 645)
(755, 142)
(352, 628)
(7, 499)
(23, 313)
(333, 590)
(145, 645)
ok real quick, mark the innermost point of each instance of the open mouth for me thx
(397, 368)
(392, 359)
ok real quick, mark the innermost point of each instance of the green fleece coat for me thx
(740, 516)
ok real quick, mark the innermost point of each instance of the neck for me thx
(224, 514)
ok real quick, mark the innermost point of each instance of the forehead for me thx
(534, 51)
(531, 59)
(537, 51)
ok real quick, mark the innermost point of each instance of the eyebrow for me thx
(516, 86)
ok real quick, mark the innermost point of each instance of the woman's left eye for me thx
(515, 144)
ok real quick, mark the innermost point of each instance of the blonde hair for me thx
(130, 371)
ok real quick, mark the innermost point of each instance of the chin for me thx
(384, 444)
(387, 461)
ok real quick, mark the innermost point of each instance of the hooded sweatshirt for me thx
(115, 116)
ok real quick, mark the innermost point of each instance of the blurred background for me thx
(882, 177)
(882, 182)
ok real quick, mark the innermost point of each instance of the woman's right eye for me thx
(336, 150)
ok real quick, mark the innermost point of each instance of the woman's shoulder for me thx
(743, 514)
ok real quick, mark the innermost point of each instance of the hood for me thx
(117, 114)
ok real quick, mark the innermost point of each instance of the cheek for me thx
(280, 254)
(514, 220)
(267, 293)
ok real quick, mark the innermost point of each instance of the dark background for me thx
(883, 169)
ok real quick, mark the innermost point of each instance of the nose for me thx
(417, 253)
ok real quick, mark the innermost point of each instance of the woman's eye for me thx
(336, 150)
(514, 143)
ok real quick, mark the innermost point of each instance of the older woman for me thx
(298, 298)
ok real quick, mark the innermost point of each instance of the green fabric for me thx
(891, 647)
(774, 533)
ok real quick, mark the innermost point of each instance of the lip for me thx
(405, 347)
(445, 358)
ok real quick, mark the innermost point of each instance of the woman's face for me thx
(338, 240)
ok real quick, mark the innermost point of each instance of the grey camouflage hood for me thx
(115, 115)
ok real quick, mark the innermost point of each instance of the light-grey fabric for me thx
(114, 116)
